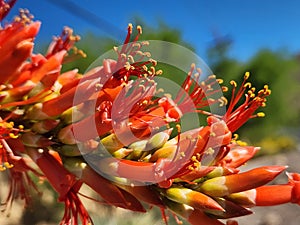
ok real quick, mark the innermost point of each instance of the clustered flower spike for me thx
(68, 125)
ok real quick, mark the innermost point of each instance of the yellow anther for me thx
(145, 43)
(127, 66)
(193, 65)
(247, 85)
(220, 81)
(115, 48)
(223, 101)
(261, 114)
(99, 86)
(210, 151)
(196, 75)
(260, 92)
(251, 94)
(82, 54)
(124, 56)
(197, 164)
(13, 136)
(130, 57)
(142, 86)
(247, 75)
(212, 134)
(212, 77)
(139, 29)
(147, 54)
(159, 72)
(178, 127)
(235, 136)
(130, 28)
(233, 83)
(154, 62)
(224, 88)
(241, 143)
(191, 168)
(137, 45)
(8, 165)
(145, 68)
(160, 90)
(10, 125)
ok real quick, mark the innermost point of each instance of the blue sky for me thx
(251, 24)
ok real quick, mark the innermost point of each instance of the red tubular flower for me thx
(294, 181)
(17, 167)
(65, 184)
(224, 185)
(75, 210)
(238, 155)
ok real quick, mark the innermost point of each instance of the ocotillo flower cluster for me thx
(111, 130)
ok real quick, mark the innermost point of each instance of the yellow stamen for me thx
(261, 114)
(247, 85)
(210, 151)
(223, 101)
(224, 88)
(241, 143)
(178, 127)
(247, 75)
(220, 81)
(139, 29)
(196, 75)
(130, 28)
(147, 54)
(212, 77)
(159, 72)
(235, 136)
(8, 165)
(130, 57)
(154, 62)
(233, 83)
(13, 136)
(199, 70)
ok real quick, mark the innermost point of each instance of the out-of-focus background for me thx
(232, 37)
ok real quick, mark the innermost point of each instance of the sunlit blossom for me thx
(114, 130)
